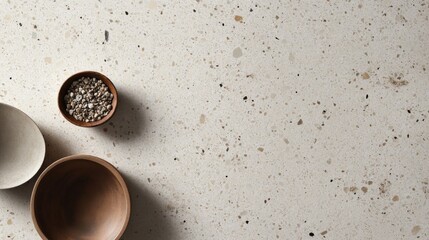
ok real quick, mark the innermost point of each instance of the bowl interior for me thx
(66, 85)
(22, 147)
(80, 199)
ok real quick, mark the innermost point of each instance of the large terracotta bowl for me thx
(80, 197)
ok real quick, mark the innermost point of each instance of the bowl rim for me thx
(84, 157)
(88, 73)
(44, 147)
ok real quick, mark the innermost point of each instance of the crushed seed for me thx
(88, 99)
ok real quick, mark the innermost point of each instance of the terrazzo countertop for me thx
(237, 120)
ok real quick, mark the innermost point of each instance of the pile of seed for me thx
(88, 99)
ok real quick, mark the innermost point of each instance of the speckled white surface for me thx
(237, 120)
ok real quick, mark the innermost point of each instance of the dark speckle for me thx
(300, 122)
(311, 234)
(245, 98)
(126, 13)
(221, 85)
(106, 35)
(20, 24)
(194, 10)
(247, 221)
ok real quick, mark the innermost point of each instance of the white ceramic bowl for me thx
(22, 147)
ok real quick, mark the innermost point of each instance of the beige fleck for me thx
(237, 52)
(152, 4)
(415, 230)
(397, 80)
(202, 118)
(48, 60)
(384, 187)
(291, 57)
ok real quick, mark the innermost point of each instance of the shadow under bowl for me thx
(66, 86)
(80, 197)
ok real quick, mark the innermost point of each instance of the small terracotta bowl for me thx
(80, 197)
(66, 85)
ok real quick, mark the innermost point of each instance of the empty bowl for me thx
(80, 197)
(66, 86)
(22, 147)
